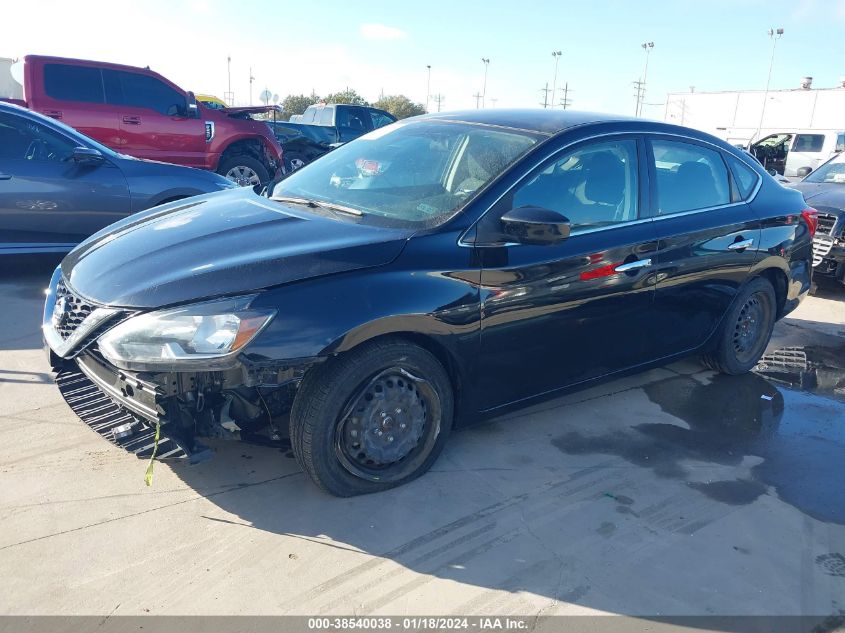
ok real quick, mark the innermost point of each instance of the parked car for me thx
(796, 154)
(825, 190)
(212, 102)
(451, 266)
(322, 127)
(138, 112)
(58, 186)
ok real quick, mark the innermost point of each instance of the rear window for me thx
(73, 83)
(808, 143)
(326, 116)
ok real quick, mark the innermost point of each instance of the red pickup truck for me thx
(138, 112)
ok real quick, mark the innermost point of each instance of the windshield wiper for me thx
(313, 204)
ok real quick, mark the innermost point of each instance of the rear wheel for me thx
(746, 330)
(244, 170)
(371, 419)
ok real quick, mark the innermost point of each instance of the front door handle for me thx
(5, 176)
(743, 244)
(639, 263)
(132, 120)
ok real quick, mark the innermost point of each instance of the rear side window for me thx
(73, 83)
(745, 177)
(309, 115)
(143, 91)
(808, 143)
(689, 177)
(326, 116)
(840, 142)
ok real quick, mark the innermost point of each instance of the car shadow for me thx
(569, 508)
(23, 280)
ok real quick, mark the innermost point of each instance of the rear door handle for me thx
(55, 114)
(132, 120)
(738, 246)
(640, 263)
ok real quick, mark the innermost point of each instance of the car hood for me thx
(218, 244)
(829, 197)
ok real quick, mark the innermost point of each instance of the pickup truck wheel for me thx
(746, 330)
(244, 170)
(372, 418)
(293, 161)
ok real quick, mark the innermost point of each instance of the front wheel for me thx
(746, 330)
(293, 161)
(244, 170)
(371, 419)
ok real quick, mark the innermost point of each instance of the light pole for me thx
(556, 55)
(428, 87)
(251, 79)
(647, 46)
(486, 61)
(775, 35)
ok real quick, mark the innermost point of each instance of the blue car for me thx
(58, 186)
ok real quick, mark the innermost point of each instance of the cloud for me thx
(382, 32)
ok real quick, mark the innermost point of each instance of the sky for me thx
(380, 47)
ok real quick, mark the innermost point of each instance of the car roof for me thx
(540, 120)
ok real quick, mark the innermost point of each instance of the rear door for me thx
(153, 119)
(560, 314)
(74, 94)
(49, 203)
(708, 239)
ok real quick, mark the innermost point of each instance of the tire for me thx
(293, 161)
(244, 170)
(345, 400)
(746, 330)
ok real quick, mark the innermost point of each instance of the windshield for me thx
(409, 173)
(832, 171)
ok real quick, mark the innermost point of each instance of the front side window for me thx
(808, 143)
(689, 177)
(144, 91)
(73, 83)
(380, 119)
(594, 186)
(24, 139)
(409, 175)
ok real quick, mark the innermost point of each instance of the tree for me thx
(347, 96)
(296, 104)
(399, 106)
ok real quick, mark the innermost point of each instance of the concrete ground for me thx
(672, 492)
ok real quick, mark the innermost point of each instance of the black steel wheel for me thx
(372, 418)
(746, 329)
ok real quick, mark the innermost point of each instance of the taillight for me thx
(811, 217)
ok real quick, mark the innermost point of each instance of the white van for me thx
(810, 148)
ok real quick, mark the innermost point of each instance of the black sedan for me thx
(58, 186)
(437, 269)
(825, 190)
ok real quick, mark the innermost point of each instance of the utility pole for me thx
(229, 97)
(556, 55)
(565, 101)
(493, 101)
(438, 99)
(428, 87)
(546, 92)
(486, 62)
(639, 96)
(251, 79)
(646, 46)
(478, 96)
(775, 35)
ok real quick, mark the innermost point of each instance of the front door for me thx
(48, 202)
(153, 119)
(707, 241)
(557, 315)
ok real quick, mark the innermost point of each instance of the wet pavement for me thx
(671, 492)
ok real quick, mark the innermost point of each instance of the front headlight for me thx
(203, 336)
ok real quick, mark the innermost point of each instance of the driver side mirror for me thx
(535, 225)
(87, 156)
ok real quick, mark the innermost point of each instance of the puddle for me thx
(800, 436)
(809, 368)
